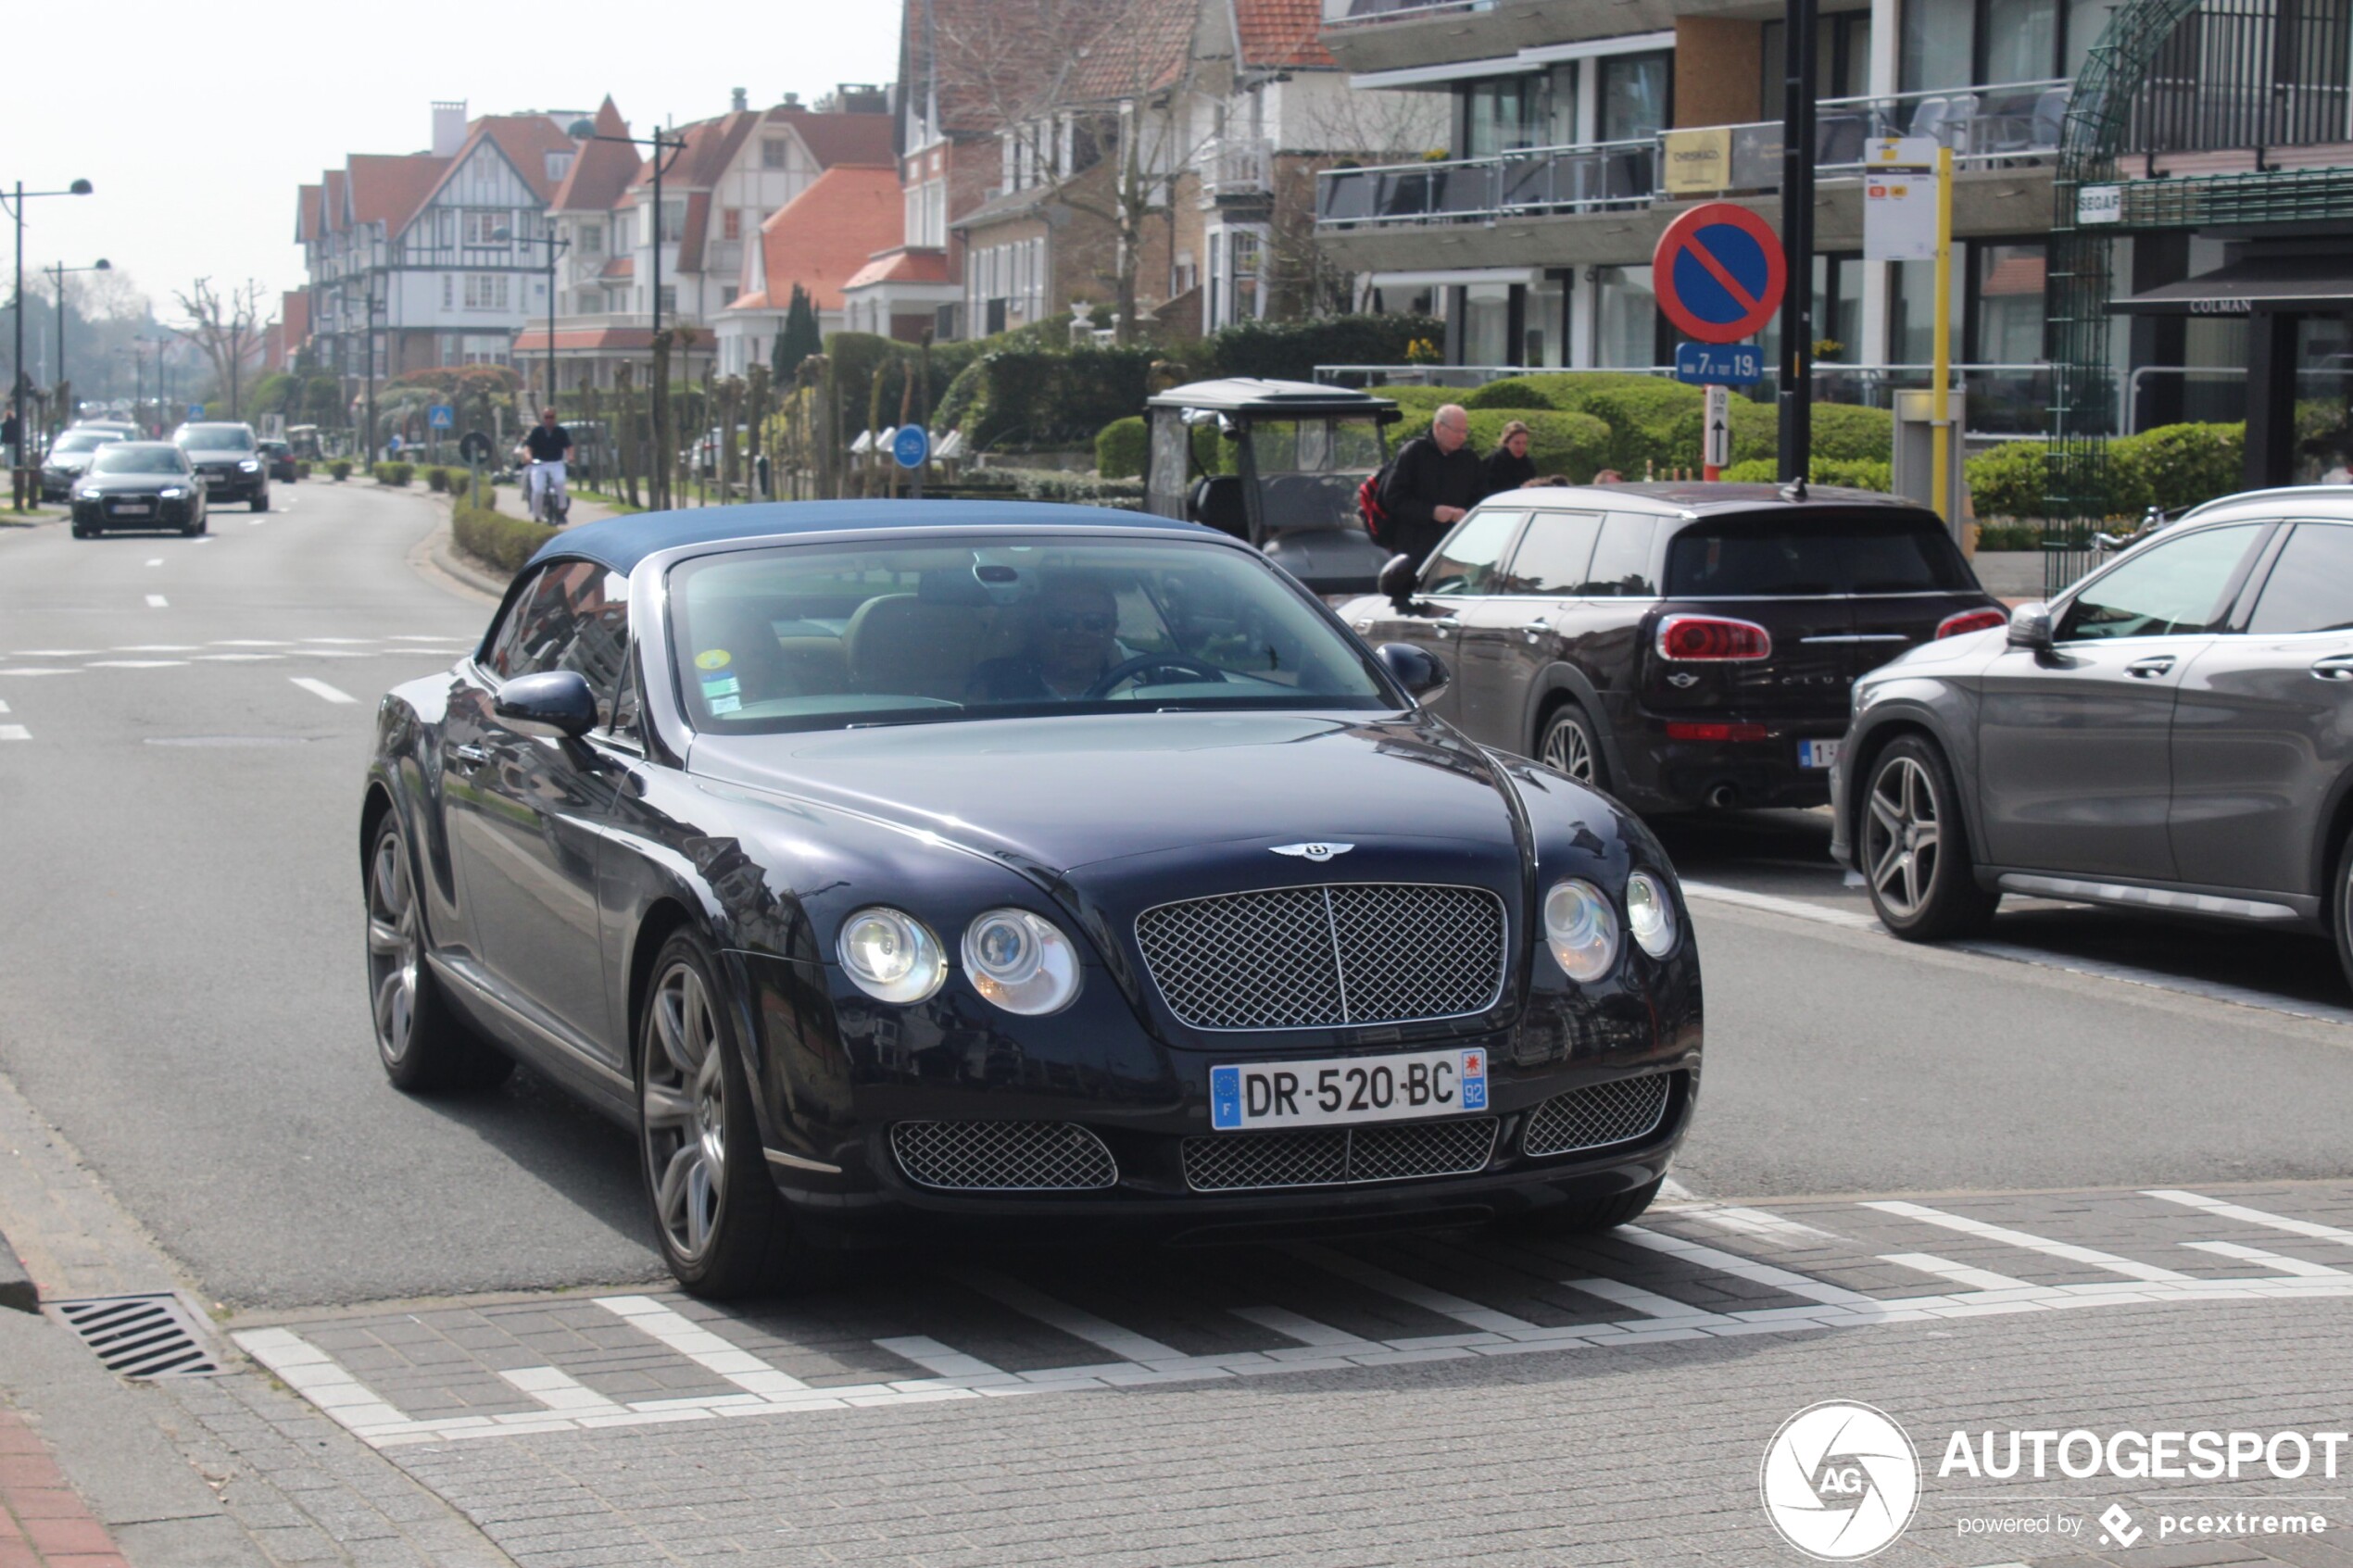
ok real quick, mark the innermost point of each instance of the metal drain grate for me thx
(140, 1335)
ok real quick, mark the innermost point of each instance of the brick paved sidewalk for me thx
(44, 1522)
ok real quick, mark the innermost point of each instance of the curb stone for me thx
(17, 1291)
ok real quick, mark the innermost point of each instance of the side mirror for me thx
(2030, 627)
(552, 705)
(1422, 674)
(1397, 580)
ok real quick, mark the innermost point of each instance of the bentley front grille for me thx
(1597, 1116)
(1310, 957)
(1339, 1156)
(1004, 1156)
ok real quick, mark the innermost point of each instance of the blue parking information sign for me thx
(909, 446)
(440, 416)
(1714, 364)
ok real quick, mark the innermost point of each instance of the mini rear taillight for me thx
(1687, 639)
(1680, 730)
(1971, 620)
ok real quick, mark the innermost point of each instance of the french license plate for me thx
(1346, 1089)
(133, 508)
(1817, 753)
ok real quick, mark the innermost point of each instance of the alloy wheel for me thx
(392, 948)
(684, 1112)
(1902, 836)
(1567, 750)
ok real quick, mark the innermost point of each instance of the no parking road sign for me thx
(1718, 273)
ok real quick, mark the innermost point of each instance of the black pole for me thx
(1798, 241)
(551, 312)
(16, 379)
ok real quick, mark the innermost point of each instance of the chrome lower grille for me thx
(1004, 1156)
(1344, 953)
(1597, 1116)
(1339, 1156)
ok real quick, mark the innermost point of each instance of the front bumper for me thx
(234, 487)
(163, 514)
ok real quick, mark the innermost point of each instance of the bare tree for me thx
(227, 328)
(1342, 127)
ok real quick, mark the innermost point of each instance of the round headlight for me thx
(1581, 930)
(1021, 962)
(890, 955)
(1650, 914)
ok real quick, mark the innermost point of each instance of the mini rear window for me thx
(1785, 554)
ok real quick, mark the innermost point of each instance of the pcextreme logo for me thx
(1840, 1481)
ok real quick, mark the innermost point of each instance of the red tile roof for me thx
(294, 314)
(690, 238)
(839, 138)
(389, 190)
(332, 202)
(1139, 49)
(1281, 33)
(533, 340)
(602, 170)
(618, 267)
(526, 138)
(825, 235)
(901, 267)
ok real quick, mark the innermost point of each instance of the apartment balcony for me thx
(1237, 169)
(1374, 35)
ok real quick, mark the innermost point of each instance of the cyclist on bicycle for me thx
(544, 479)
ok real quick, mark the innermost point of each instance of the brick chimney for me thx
(448, 127)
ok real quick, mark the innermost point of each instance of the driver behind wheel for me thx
(1072, 641)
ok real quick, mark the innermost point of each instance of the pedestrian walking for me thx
(1432, 481)
(11, 442)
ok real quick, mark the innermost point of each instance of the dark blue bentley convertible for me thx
(890, 864)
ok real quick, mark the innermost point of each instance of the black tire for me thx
(423, 1043)
(1593, 1214)
(1571, 744)
(1911, 842)
(2341, 910)
(723, 1234)
(81, 533)
(260, 502)
(191, 528)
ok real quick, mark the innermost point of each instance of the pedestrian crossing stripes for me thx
(1321, 1309)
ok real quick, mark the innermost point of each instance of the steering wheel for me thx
(1144, 661)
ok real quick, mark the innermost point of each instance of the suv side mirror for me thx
(1397, 579)
(552, 705)
(2030, 627)
(1421, 672)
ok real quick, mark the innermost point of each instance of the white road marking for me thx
(156, 648)
(42, 670)
(1758, 1224)
(1650, 1303)
(250, 643)
(55, 653)
(1959, 1273)
(1741, 1268)
(207, 539)
(2090, 1257)
(934, 1356)
(136, 663)
(1306, 1330)
(155, 561)
(1428, 1297)
(239, 658)
(1074, 1320)
(338, 639)
(2239, 1211)
(702, 1347)
(4, 707)
(2240, 1252)
(15, 732)
(157, 601)
(255, 522)
(561, 1391)
(1821, 914)
(321, 689)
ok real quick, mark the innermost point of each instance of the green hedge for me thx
(1120, 448)
(1512, 392)
(1292, 350)
(438, 478)
(1855, 473)
(1036, 398)
(502, 541)
(2171, 466)
(340, 469)
(395, 474)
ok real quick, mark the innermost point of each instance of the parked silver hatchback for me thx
(2174, 733)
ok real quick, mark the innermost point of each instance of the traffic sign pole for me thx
(1798, 241)
(1940, 425)
(1716, 452)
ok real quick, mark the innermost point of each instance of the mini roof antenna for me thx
(1793, 491)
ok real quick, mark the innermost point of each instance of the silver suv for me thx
(2174, 733)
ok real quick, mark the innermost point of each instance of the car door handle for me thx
(470, 754)
(1537, 628)
(2147, 669)
(1446, 623)
(2337, 667)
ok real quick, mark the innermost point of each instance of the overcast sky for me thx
(196, 125)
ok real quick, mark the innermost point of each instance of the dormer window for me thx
(775, 153)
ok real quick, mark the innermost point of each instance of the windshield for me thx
(83, 440)
(213, 438)
(142, 459)
(1309, 469)
(1778, 554)
(827, 636)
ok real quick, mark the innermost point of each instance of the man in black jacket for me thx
(1435, 479)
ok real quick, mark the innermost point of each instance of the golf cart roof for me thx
(1274, 399)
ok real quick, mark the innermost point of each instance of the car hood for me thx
(1058, 795)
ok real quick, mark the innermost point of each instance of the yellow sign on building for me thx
(1697, 161)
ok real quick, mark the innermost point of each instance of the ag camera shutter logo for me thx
(1840, 1481)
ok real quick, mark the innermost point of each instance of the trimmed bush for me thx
(1120, 448)
(1512, 392)
(438, 480)
(1292, 350)
(1849, 431)
(1037, 399)
(2008, 536)
(302, 470)
(2007, 481)
(1854, 473)
(496, 538)
(2171, 466)
(340, 470)
(396, 474)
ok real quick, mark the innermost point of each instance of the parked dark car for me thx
(278, 458)
(69, 459)
(228, 460)
(1679, 645)
(885, 863)
(2172, 733)
(138, 484)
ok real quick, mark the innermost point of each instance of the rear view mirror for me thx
(1422, 674)
(552, 705)
(2030, 627)
(1397, 579)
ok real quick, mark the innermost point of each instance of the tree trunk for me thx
(625, 423)
(658, 492)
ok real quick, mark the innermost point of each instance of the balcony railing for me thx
(1594, 177)
(2248, 73)
(1237, 166)
(2008, 125)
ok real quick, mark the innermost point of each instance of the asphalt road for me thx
(182, 989)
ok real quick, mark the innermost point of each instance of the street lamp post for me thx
(58, 272)
(585, 131)
(16, 388)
